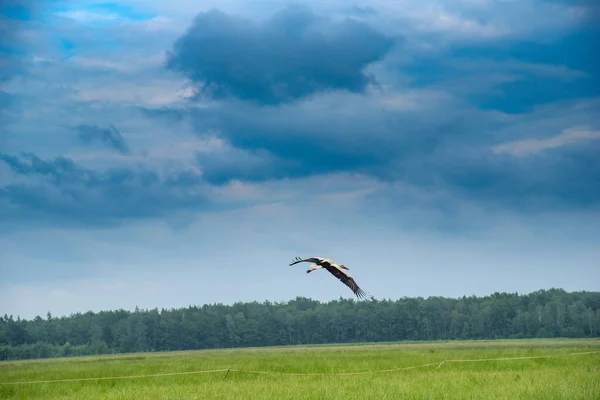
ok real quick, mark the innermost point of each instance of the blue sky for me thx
(162, 154)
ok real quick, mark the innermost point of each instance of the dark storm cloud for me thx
(561, 178)
(432, 124)
(220, 167)
(513, 75)
(109, 136)
(292, 55)
(445, 147)
(445, 142)
(61, 191)
(344, 135)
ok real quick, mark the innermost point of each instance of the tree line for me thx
(542, 314)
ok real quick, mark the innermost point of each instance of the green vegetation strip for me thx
(228, 370)
(491, 369)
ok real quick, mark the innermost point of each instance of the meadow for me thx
(323, 372)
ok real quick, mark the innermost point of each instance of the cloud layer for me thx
(447, 118)
(109, 136)
(292, 55)
(58, 191)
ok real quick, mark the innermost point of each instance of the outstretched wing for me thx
(297, 260)
(348, 281)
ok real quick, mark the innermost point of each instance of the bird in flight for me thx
(337, 270)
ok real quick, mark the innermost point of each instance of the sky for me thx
(167, 154)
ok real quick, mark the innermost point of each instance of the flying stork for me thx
(337, 270)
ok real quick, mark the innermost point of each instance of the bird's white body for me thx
(329, 261)
(312, 267)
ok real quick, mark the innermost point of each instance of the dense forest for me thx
(545, 313)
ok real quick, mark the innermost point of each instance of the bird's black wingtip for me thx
(361, 294)
(296, 260)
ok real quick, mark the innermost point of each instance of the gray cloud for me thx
(509, 75)
(445, 145)
(526, 147)
(109, 136)
(19, 24)
(62, 192)
(222, 166)
(12, 14)
(291, 56)
(562, 179)
(591, 7)
(162, 114)
(422, 129)
(339, 133)
(361, 11)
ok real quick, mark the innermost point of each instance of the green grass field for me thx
(561, 377)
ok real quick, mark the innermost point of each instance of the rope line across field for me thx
(229, 370)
